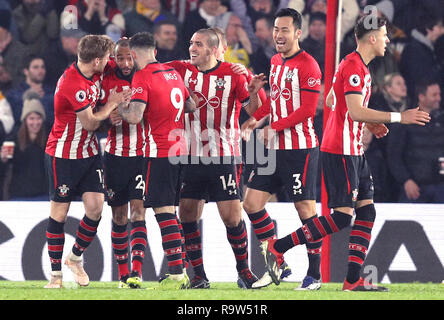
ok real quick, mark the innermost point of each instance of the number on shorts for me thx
(100, 173)
(140, 183)
(229, 184)
(297, 184)
(178, 104)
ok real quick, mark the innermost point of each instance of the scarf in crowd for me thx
(148, 13)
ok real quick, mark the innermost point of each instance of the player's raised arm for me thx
(359, 113)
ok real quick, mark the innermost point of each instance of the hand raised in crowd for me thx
(415, 116)
(379, 130)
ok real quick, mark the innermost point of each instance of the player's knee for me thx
(137, 212)
(251, 206)
(119, 218)
(232, 221)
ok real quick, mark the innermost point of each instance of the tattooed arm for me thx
(132, 113)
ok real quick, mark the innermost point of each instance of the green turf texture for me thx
(33, 290)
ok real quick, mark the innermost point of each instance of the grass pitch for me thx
(33, 290)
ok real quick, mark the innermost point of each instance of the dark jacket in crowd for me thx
(413, 151)
(28, 175)
(418, 62)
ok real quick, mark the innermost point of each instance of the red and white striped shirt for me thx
(124, 139)
(295, 84)
(74, 93)
(213, 130)
(162, 89)
(342, 135)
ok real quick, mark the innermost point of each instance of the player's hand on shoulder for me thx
(415, 116)
(239, 68)
(379, 130)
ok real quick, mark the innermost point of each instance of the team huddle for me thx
(174, 140)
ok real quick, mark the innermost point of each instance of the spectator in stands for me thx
(392, 97)
(180, 8)
(418, 59)
(35, 72)
(165, 34)
(260, 60)
(314, 44)
(100, 17)
(209, 14)
(61, 55)
(38, 24)
(27, 179)
(5, 79)
(238, 45)
(145, 15)
(12, 51)
(6, 118)
(414, 151)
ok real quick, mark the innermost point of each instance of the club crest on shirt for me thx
(289, 76)
(220, 84)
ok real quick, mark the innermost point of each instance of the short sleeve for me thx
(310, 76)
(77, 96)
(353, 78)
(139, 88)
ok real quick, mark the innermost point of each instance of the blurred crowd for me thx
(38, 41)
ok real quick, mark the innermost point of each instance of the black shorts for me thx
(218, 181)
(295, 175)
(347, 179)
(70, 178)
(163, 180)
(124, 179)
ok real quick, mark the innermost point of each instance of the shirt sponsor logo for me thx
(313, 82)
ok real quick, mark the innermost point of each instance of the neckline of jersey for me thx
(80, 72)
(291, 57)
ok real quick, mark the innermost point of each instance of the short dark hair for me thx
(159, 25)
(29, 59)
(212, 37)
(423, 84)
(365, 25)
(94, 46)
(290, 12)
(427, 22)
(317, 16)
(268, 19)
(142, 40)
